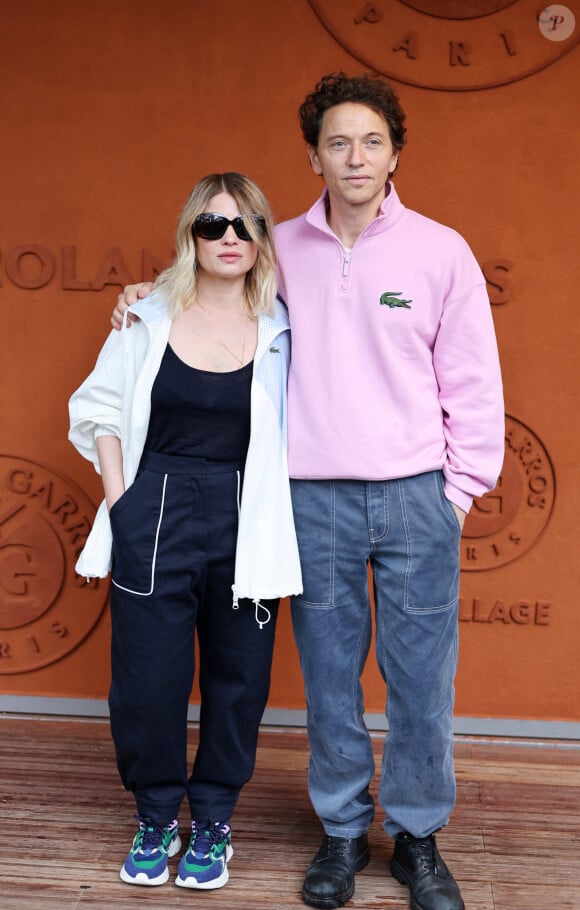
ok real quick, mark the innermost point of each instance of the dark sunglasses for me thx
(213, 227)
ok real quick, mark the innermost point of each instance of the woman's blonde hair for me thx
(179, 282)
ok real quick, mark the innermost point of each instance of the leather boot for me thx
(329, 881)
(416, 863)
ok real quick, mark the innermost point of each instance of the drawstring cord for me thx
(257, 607)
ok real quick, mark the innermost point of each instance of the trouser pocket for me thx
(136, 522)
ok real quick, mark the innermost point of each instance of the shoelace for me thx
(205, 839)
(150, 835)
(425, 852)
(336, 846)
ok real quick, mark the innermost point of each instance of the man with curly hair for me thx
(395, 424)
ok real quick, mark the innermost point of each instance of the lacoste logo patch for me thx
(393, 299)
(274, 350)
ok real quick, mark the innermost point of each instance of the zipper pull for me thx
(346, 263)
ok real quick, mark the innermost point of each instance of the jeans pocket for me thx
(433, 533)
(136, 524)
(313, 504)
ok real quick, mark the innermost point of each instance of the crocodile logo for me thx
(394, 299)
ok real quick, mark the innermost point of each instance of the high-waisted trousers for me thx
(174, 539)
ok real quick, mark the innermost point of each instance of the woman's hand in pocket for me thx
(113, 498)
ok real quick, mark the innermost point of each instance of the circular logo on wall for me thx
(46, 610)
(506, 523)
(452, 45)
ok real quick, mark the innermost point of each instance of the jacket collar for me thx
(269, 327)
(153, 309)
(150, 309)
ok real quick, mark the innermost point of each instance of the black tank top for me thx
(199, 413)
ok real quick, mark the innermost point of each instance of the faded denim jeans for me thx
(408, 532)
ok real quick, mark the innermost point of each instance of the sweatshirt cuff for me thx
(458, 497)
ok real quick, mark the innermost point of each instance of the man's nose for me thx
(356, 155)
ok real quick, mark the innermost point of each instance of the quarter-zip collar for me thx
(391, 209)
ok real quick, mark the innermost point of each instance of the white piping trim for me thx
(154, 560)
(238, 475)
(235, 602)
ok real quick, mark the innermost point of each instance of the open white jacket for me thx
(116, 400)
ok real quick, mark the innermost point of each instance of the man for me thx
(395, 425)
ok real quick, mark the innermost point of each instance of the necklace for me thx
(239, 360)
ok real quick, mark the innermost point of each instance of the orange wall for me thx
(109, 113)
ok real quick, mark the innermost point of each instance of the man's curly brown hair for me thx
(338, 88)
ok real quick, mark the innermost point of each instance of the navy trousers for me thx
(174, 539)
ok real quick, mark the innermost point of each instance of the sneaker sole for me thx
(219, 882)
(143, 879)
(339, 900)
(204, 886)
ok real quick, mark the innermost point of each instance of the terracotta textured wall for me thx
(109, 113)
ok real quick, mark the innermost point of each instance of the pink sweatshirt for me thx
(394, 366)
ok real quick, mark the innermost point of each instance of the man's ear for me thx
(314, 160)
(394, 164)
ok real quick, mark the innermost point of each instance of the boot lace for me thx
(424, 850)
(336, 846)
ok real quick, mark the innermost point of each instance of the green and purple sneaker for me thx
(146, 862)
(205, 863)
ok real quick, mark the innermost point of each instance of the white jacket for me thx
(116, 400)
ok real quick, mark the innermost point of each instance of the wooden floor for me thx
(66, 824)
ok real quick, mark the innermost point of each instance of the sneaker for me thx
(146, 862)
(205, 863)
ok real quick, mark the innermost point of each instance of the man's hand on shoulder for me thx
(129, 295)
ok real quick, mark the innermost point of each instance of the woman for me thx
(185, 418)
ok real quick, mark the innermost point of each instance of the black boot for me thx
(416, 863)
(329, 881)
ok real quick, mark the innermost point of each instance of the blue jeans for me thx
(408, 532)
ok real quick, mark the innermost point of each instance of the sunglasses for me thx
(213, 227)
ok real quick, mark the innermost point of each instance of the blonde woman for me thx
(184, 416)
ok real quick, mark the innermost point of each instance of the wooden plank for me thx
(66, 825)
